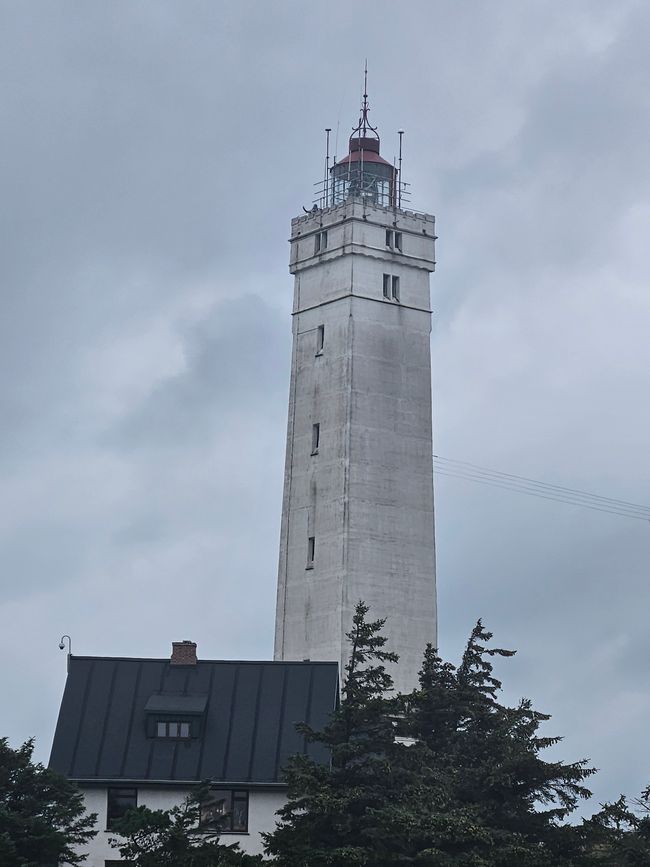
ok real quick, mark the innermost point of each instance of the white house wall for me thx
(262, 807)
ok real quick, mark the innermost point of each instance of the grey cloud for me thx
(236, 365)
(153, 155)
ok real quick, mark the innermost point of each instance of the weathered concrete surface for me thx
(367, 495)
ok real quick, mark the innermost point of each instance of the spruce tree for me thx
(42, 815)
(619, 834)
(335, 812)
(489, 798)
(448, 776)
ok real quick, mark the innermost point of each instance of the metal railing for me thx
(363, 187)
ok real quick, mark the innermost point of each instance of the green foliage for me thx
(445, 776)
(156, 838)
(42, 815)
(333, 813)
(620, 833)
(491, 799)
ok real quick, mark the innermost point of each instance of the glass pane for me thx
(215, 809)
(119, 802)
(240, 812)
(185, 730)
(161, 730)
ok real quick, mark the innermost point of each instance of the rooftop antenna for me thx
(327, 165)
(400, 133)
(62, 647)
(336, 140)
(365, 96)
(364, 126)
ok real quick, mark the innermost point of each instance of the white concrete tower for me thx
(357, 516)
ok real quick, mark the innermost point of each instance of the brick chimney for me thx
(183, 653)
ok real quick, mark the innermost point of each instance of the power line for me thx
(536, 488)
(535, 482)
(545, 490)
(519, 490)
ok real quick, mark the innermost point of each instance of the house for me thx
(147, 731)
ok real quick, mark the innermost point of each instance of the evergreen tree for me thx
(42, 815)
(488, 797)
(156, 838)
(619, 834)
(334, 814)
(445, 776)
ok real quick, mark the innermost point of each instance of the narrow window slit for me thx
(320, 241)
(320, 339)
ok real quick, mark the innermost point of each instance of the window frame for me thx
(111, 817)
(386, 286)
(320, 241)
(178, 736)
(394, 287)
(394, 239)
(320, 339)
(234, 797)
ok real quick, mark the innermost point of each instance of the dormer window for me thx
(175, 717)
(173, 729)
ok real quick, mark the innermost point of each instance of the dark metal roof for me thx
(180, 704)
(250, 710)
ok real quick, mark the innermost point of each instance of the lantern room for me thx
(363, 173)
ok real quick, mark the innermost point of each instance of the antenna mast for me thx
(400, 133)
(327, 166)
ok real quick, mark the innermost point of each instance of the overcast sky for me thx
(152, 156)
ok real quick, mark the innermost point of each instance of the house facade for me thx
(148, 731)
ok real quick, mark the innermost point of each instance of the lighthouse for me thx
(357, 513)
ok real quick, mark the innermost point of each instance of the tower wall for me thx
(366, 496)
